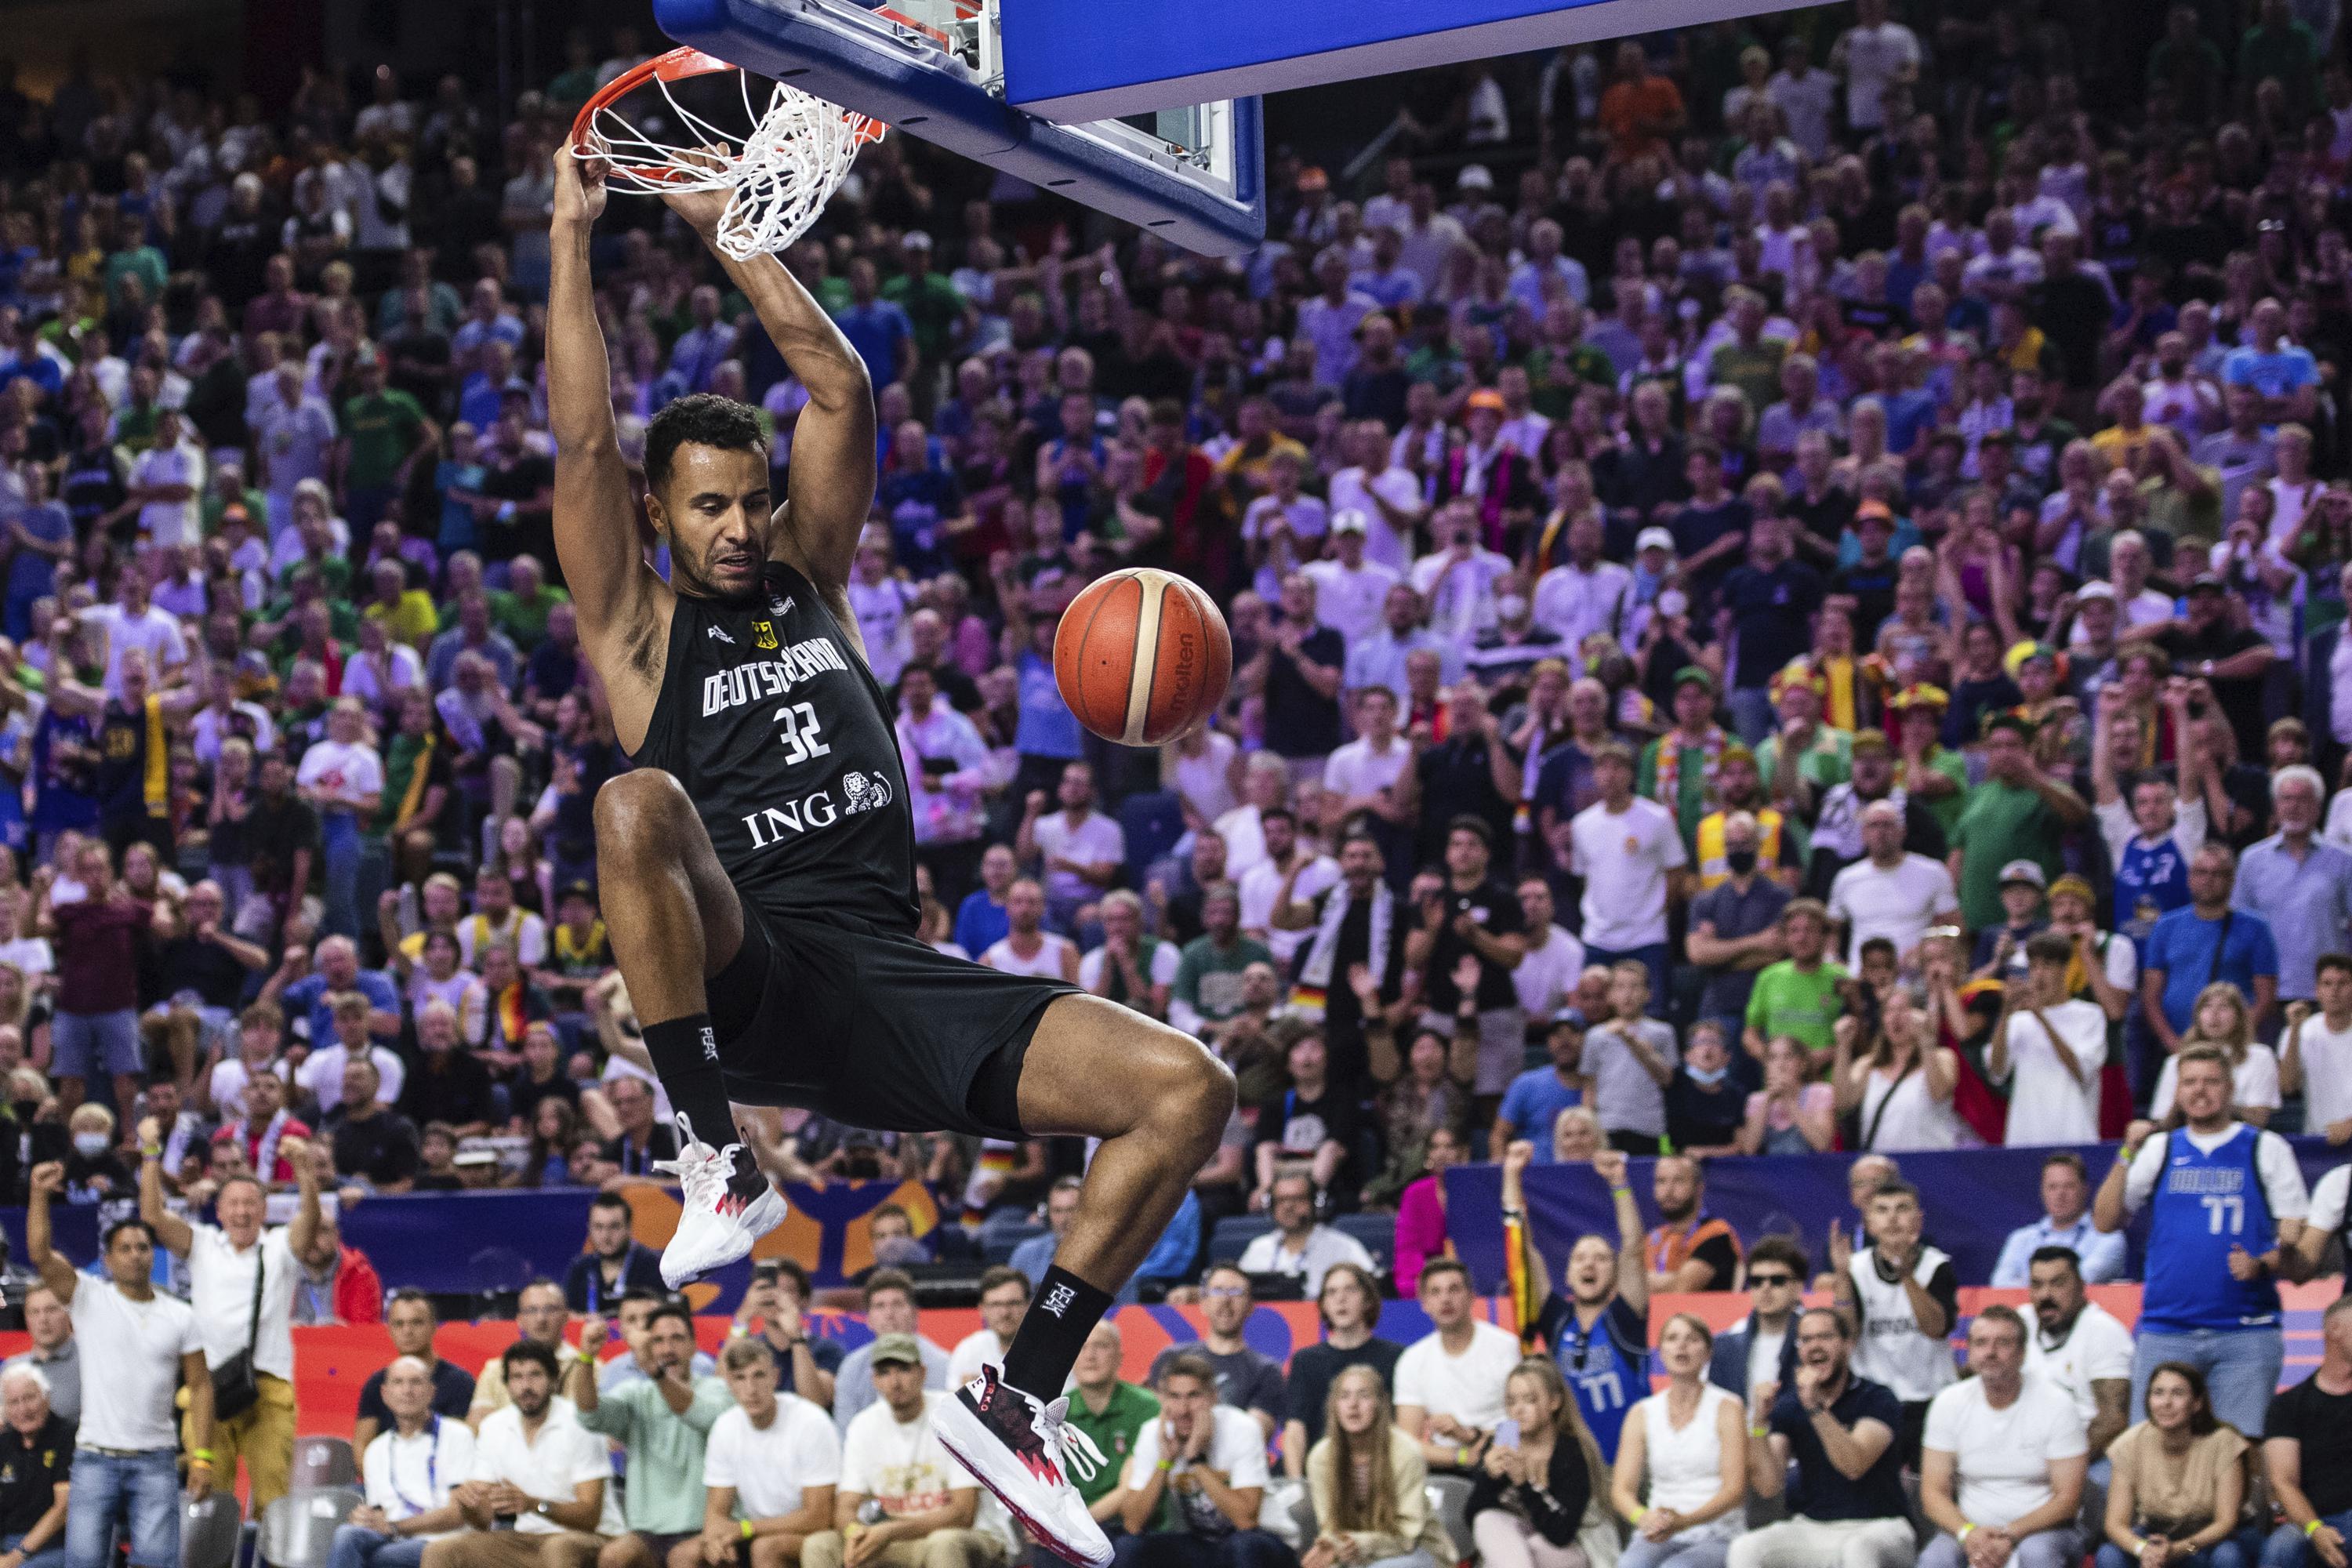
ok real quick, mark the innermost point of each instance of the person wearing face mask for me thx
(94, 1174)
(1514, 644)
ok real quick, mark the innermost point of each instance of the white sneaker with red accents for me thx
(718, 1225)
(1018, 1448)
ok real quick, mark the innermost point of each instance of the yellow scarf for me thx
(417, 778)
(157, 783)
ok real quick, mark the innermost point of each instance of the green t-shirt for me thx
(1756, 371)
(1124, 1414)
(664, 1491)
(1690, 783)
(382, 428)
(143, 259)
(1946, 809)
(1786, 1001)
(525, 621)
(2002, 823)
(934, 307)
(1825, 764)
(1210, 982)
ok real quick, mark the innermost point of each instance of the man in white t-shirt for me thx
(769, 1467)
(934, 1514)
(535, 1466)
(1362, 775)
(1027, 947)
(1079, 849)
(1449, 1383)
(2315, 1052)
(225, 1261)
(1630, 853)
(1546, 978)
(1890, 892)
(1350, 590)
(134, 624)
(1206, 1456)
(1298, 1246)
(166, 479)
(1004, 1302)
(1873, 54)
(2080, 1347)
(1586, 593)
(412, 1470)
(1293, 861)
(138, 1346)
(342, 778)
(2049, 1050)
(1386, 494)
(2002, 1453)
(1458, 578)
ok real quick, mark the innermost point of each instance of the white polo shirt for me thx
(221, 1289)
(129, 1365)
(1623, 857)
(769, 1467)
(2097, 1350)
(550, 1467)
(409, 1476)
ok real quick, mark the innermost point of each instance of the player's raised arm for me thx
(595, 518)
(832, 482)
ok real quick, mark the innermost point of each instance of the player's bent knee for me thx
(639, 812)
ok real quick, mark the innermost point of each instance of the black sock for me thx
(686, 1057)
(1046, 1345)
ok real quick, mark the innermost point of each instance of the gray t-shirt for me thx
(1626, 1098)
(1245, 1379)
(1734, 914)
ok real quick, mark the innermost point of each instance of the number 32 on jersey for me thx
(800, 732)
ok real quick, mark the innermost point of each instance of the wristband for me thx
(1621, 1192)
(1167, 1464)
(1759, 1431)
(1462, 1456)
(2313, 1528)
(150, 1150)
(747, 1530)
(1966, 1531)
(200, 1456)
(1635, 1517)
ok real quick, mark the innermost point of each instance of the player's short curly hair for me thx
(705, 419)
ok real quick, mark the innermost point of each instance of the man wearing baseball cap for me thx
(931, 1511)
(1350, 590)
(1678, 768)
(2018, 814)
(2000, 949)
(2205, 645)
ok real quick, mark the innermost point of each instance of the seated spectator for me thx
(2307, 1454)
(1689, 1249)
(538, 1320)
(1035, 1254)
(1828, 1445)
(1247, 1379)
(932, 1514)
(2179, 1482)
(336, 1283)
(660, 1422)
(1788, 1115)
(775, 1308)
(1112, 1412)
(1368, 1484)
(1539, 1095)
(374, 1144)
(2049, 1048)
(1300, 1246)
(644, 1140)
(411, 1471)
(770, 1467)
(2065, 1221)
(2222, 1018)
(633, 1318)
(321, 1072)
(2004, 1455)
(1209, 1459)
(1421, 1208)
(889, 1309)
(1349, 1306)
(1004, 1302)
(37, 1451)
(539, 1479)
(1761, 1350)
(1682, 1449)
(409, 1318)
(1449, 1383)
(54, 1351)
(1534, 1499)
(2315, 1050)
(615, 1262)
(2078, 1345)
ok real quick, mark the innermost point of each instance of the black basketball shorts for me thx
(872, 1028)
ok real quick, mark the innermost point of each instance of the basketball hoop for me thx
(780, 172)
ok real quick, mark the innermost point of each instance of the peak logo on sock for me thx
(709, 1043)
(1058, 1300)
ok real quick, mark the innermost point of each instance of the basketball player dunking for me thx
(758, 868)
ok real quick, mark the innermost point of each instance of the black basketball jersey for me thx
(783, 738)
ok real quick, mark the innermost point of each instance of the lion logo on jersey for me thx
(863, 792)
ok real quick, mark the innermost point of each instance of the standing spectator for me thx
(2315, 1051)
(1734, 926)
(1539, 1095)
(1369, 1485)
(1474, 916)
(770, 1468)
(143, 1344)
(1207, 1459)
(2018, 813)
(2003, 1455)
(1598, 1330)
(1694, 1469)
(342, 778)
(660, 1422)
(97, 939)
(1890, 892)
(2225, 1202)
(1532, 1501)
(2307, 1454)
(541, 1484)
(889, 1309)
(2203, 942)
(1349, 1303)
(412, 1471)
(241, 1281)
(2065, 1221)
(1901, 1298)
(1630, 852)
(1798, 997)
(1836, 1431)
(2052, 1047)
(1629, 1058)
(2300, 884)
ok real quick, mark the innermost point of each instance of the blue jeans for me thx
(53, 1555)
(2290, 1548)
(338, 852)
(1182, 1549)
(2059, 1548)
(2230, 1551)
(146, 1487)
(356, 1547)
(2240, 1367)
(1654, 959)
(1675, 1552)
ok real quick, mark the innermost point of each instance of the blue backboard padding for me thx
(914, 95)
(1090, 59)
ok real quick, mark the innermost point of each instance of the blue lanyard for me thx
(432, 1471)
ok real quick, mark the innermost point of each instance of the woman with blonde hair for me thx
(1685, 1444)
(1370, 1484)
(2221, 1019)
(1539, 1502)
(1575, 1136)
(1902, 1091)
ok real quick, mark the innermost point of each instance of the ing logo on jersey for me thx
(863, 792)
(764, 634)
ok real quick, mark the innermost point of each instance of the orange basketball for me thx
(1143, 657)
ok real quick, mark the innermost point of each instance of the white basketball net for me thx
(780, 175)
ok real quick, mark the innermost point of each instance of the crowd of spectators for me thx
(1788, 584)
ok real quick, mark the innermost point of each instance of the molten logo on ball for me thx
(1142, 657)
